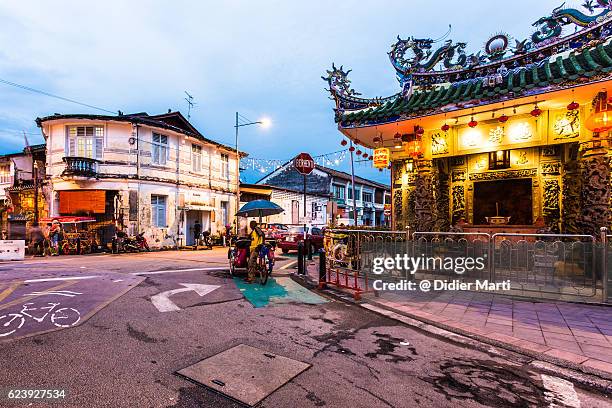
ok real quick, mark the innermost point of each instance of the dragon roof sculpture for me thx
(424, 64)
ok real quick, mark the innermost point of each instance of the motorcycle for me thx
(124, 243)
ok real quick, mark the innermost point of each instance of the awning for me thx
(68, 219)
(198, 208)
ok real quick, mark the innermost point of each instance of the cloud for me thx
(254, 57)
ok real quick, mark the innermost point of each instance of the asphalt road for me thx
(125, 352)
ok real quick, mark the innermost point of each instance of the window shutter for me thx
(71, 146)
(99, 147)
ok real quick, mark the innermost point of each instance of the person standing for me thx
(37, 239)
(197, 230)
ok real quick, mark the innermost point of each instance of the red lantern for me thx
(351, 149)
(357, 141)
(601, 120)
(358, 152)
(376, 139)
(536, 112)
(397, 136)
(573, 106)
(472, 123)
(445, 127)
(343, 142)
(365, 156)
(419, 130)
(503, 118)
(370, 158)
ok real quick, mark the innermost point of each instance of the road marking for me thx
(560, 392)
(162, 300)
(65, 278)
(289, 265)
(20, 300)
(179, 270)
(67, 293)
(118, 280)
(9, 290)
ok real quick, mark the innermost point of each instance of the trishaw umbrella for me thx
(259, 208)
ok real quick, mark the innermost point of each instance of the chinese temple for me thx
(515, 136)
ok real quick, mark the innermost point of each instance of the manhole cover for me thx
(244, 373)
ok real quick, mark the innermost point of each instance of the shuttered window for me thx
(158, 211)
(224, 166)
(196, 158)
(159, 154)
(85, 141)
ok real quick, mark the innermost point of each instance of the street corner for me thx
(35, 306)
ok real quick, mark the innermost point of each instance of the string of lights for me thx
(262, 165)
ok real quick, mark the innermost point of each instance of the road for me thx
(144, 317)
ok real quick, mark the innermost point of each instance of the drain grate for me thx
(244, 373)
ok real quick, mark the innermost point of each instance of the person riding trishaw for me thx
(257, 240)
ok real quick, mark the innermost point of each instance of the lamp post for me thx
(263, 123)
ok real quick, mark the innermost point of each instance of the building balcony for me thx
(80, 167)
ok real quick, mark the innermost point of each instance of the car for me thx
(289, 240)
(274, 230)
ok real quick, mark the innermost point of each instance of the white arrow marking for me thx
(162, 300)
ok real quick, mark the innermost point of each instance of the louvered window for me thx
(85, 141)
(159, 154)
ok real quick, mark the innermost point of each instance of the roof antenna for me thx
(190, 104)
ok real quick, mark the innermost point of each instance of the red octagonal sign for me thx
(304, 163)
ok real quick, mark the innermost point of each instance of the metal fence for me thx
(553, 266)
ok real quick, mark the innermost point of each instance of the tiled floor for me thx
(584, 330)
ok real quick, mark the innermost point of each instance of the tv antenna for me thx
(190, 104)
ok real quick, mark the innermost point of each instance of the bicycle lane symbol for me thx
(42, 314)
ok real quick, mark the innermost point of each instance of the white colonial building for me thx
(152, 174)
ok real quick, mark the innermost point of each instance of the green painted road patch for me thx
(277, 291)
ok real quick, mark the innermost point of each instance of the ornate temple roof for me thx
(448, 79)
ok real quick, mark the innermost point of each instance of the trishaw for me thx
(238, 256)
(238, 253)
(75, 240)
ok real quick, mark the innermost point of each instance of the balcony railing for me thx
(80, 166)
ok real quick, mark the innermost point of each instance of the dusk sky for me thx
(260, 58)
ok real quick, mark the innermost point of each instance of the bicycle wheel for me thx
(10, 323)
(65, 317)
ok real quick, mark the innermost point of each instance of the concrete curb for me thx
(586, 376)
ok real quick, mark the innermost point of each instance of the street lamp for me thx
(264, 123)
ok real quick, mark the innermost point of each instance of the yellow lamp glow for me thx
(601, 120)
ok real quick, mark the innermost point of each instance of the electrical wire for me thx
(27, 88)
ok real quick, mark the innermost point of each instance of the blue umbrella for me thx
(259, 208)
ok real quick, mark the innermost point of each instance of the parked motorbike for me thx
(124, 243)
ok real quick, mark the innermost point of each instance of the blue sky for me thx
(260, 58)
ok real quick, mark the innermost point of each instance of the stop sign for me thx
(304, 163)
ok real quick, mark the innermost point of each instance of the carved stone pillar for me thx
(441, 192)
(595, 189)
(572, 188)
(424, 199)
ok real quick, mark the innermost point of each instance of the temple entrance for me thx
(506, 198)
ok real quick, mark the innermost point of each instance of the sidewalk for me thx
(574, 335)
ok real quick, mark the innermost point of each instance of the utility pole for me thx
(237, 180)
(353, 186)
(190, 104)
